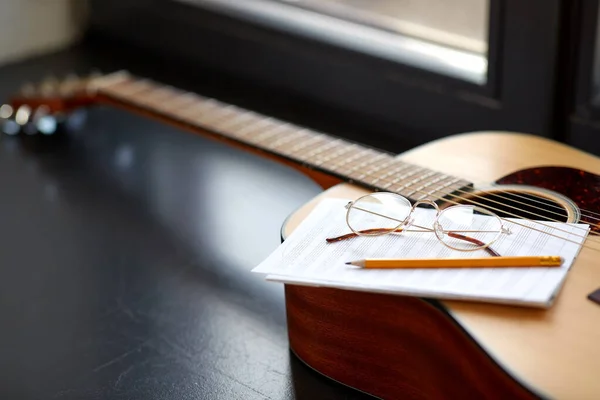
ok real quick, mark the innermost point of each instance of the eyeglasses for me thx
(460, 227)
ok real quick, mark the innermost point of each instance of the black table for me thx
(126, 254)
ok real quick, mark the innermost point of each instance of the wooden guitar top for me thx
(554, 352)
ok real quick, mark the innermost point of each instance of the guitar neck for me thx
(351, 162)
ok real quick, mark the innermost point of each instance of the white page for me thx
(305, 258)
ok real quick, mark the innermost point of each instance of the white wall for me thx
(33, 27)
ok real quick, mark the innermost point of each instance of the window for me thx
(445, 36)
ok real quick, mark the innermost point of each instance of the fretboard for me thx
(351, 162)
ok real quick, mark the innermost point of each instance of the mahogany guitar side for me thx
(411, 348)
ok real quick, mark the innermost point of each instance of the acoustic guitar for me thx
(400, 347)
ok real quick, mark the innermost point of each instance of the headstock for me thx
(40, 108)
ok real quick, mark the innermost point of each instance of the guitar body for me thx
(399, 347)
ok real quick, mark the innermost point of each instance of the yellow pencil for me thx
(487, 262)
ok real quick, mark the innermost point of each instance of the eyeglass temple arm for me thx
(365, 231)
(488, 249)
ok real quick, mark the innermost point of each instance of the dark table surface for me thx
(126, 254)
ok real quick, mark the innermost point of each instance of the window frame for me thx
(406, 104)
(582, 127)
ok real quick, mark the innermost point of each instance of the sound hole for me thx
(519, 204)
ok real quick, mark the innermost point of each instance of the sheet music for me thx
(306, 258)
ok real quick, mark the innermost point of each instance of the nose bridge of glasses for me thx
(426, 202)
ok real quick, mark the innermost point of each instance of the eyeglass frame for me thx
(482, 246)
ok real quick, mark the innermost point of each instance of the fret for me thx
(376, 178)
(341, 153)
(316, 146)
(251, 128)
(403, 173)
(216, 116)
(268, 133)
(200, 110)
(307, 144)
(397, 176)
(163, 100)
(416, 185)
(354, 162)
(337, 165)
(347, 158)
(102, 82)
(316, 157)
(296, 139)
(405, 179)
(360, 155)
(458, 185)
(131, 88)
(445, 190)
(192, 108)
(183, 114)
(339, 159)
(182, 100)
(297, 136)
(435, 185)
(368, 173)
(266, 128)
(284, 133)
(369, 157)
(395, 170)
(156, 95)
(241, 119)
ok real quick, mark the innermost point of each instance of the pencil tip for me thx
(349, 263)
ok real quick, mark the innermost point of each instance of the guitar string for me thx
(538, 223)
(500, 196)
(446, 194)
(444, 198)
(146, 103)
(553, 205)
(160, 89)
(509, 206)
(499, 193)
(482, 205)
(516, 208)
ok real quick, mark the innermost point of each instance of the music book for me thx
(305, 258)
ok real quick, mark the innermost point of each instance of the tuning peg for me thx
(7, 123)
(90, 79)
(27, 90)
(69, 85)
(23, 114)
(6, 111)
(49, 86)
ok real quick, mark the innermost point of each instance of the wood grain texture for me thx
(391, 346)
(554, 352)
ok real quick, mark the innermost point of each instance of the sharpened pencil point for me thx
(349, 263)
